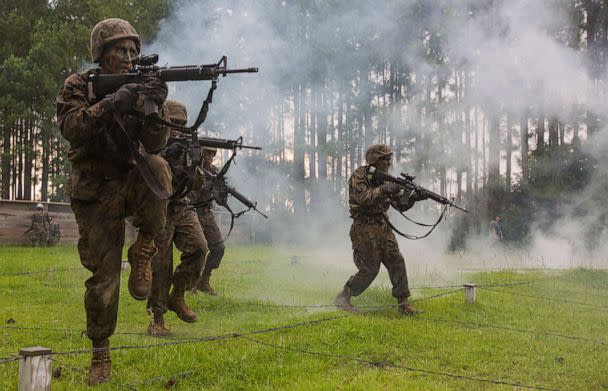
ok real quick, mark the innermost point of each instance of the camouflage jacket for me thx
(209, 192)
(176, 153)
(367, 201)
(41, 221)
(98, 150)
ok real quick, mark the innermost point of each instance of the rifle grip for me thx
(150, 107)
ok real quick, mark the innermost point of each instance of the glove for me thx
(125, 99)
(156, 90)
(418, 195)
(389, 188)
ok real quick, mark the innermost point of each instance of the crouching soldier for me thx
(373, 240)
(105, 184)
(183, 229)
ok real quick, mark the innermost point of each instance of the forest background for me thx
(521, 135)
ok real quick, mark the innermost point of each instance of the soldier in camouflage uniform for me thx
(105, 184)
(41, 224)
(183, 229)
(373, 240)
(212, 232)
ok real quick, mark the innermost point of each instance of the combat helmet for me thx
(376, 152)
(39, 206)
(108, 31)
(176, 112)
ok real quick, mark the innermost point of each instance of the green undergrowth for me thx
(509, 335)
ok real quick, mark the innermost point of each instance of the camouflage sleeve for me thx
(361, 192)
(78, 119)
(154, 136)
(402, 202)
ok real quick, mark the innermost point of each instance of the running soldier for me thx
(373, 240)
(204, 208)
(183, 229)
(105, 184)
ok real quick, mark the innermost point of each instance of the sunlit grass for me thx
(255, 281)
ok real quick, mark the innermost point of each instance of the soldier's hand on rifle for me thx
(418, 195)
(125, 99)
(389, 188)
(156, 90)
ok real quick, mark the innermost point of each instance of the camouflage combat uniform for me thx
(41, 224)
(183, 229)
(212, 232)
(373, 240)
(106, 187)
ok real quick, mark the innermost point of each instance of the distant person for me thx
(54, 234)
(40, 227)
(373, 240)
(496, 230)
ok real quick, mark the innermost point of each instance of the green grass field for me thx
(504, 337)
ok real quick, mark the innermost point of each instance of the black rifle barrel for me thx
(105, 84)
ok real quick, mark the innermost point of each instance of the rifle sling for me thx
(142, 164)
(414, 237)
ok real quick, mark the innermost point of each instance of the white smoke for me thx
(514, 49)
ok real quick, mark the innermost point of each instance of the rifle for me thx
(145, 68)
(221, 143)
(407, 183)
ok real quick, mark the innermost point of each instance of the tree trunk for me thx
(525, 170)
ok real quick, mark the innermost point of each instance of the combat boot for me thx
(342, 301)
(204, 286)
(140, 257)
(157, 327)
(101, 365)
(406, 308)
(178, 305)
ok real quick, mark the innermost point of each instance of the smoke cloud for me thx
(515, 47)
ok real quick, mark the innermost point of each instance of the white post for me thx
(470, 293)
(35, 369)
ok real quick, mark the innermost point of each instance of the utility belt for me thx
(368, 219)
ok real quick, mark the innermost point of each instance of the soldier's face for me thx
(119, 56)
(208, 157)
(384, 163)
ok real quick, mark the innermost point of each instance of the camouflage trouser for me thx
(101, 224)
(185, 231)
(373, 244)
(214, 239)
(39, 237)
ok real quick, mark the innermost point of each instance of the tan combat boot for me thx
(101, 365)
(204, 286)
(178, 305)
(342, 301)
(405, 307)
(140, 257)
(157, 327)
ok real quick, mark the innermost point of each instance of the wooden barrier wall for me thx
(15, 219)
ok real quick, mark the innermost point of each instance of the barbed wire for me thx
(392, 365)
(6, 360)
(565, 301)
(509, 328)
(28, 273)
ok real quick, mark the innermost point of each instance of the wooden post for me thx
(470, 293)
(35, 369)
